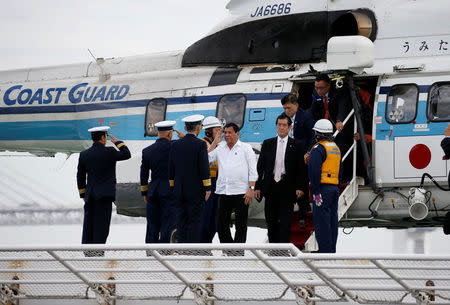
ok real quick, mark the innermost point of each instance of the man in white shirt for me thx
(235, 183)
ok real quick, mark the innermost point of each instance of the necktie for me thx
(278, 161)
(291, 132)
(325, 105)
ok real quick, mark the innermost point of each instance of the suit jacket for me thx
(155, 158)
(303, 128)
(445, 144)
(99, 164)
(296, 174)
(339, 105)
(189, 168)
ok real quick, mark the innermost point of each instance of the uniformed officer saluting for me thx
(189, 176)
(324, 169)
(212, 127)
(160, 202)
(99, 163)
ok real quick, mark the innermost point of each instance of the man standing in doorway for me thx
(334, 105)
(330, 104)
(235, 183)
(98, 163)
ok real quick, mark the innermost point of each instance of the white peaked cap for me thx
(193, 118)
(99, 128)
(165, 125)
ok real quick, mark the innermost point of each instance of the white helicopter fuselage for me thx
(48, 110)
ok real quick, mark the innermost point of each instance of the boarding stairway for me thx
(216, 274)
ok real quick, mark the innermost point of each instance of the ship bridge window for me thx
(156, 112)
(438, 106)
(401, 103)
(231, 109)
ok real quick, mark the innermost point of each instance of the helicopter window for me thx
(401, 105)
(438, 106)
(231, 109)
(156, 112)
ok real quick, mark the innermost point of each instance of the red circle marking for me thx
(420, 156)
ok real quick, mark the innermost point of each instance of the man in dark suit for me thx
(334, 105)
(302, 121)
(330, 103)
(302, 131)
(99, 164)
(282, 179)
(159, 199)
(190, 178)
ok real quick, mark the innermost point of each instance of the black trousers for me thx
(189, 221)
(97, 218)
(161, 218)
(228, 203)
(279, 209)
(303, 206)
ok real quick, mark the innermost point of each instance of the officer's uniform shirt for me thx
(237, 167)
(99, 164)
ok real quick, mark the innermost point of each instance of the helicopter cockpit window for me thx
(401, 103)
(231, 109)
(156, 112)
(438, 106)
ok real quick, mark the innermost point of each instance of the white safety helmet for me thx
(210, 122)
(323, 126)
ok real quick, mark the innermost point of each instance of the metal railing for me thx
(210, 272)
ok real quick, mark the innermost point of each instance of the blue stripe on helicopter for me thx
(129, 127)
(130, 104)
(387, 131)
(422, 89)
